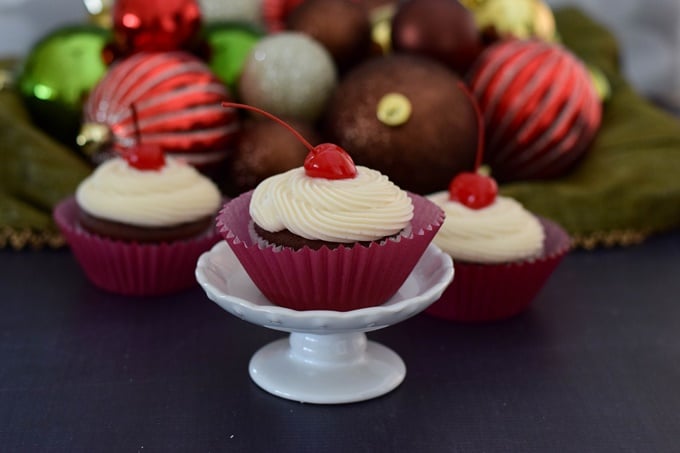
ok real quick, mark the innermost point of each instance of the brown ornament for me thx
(408, 117)
(440, 29)
(341, 26)
(263, 149)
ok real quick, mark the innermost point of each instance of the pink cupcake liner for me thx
(490, 292)
(342, 279)
(130, 268)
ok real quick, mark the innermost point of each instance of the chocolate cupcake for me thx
(295, 210)
(370, 234)
(137, 227)
(503, 255)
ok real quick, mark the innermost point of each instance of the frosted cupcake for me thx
(502, 253)
(138, 224)
(329, 235)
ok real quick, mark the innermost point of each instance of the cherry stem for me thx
(271, 117)
(480, 126)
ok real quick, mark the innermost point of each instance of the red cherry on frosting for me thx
(473, 190)
(145, 157)
(329, 161)
(326, 160)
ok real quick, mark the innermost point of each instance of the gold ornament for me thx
(99, 12)
(381, 26)
(600, 83)
(519, 18)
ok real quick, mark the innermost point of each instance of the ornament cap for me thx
(93, 137)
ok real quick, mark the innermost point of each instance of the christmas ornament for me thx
(248, 11)
(229, 45)
(381, 26)
(274, 13)
(154, 25)
(440, 29)
(58, 73)
(540, 108)
(326, 160)
(99, 12)
(264, 149)
(342, 27)
(407, 117)
(514, 18)
(289, 74)
(177, 99)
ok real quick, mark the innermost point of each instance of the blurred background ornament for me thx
(57, 76)
(275, 12)
(248, 11)
(540, 108)
(408, 117)
(288, 74)
(513, 18)
(264, 149)
(443, 30)
(229, 44)
(178, 102)
(99, 12)
(381, 25)
(341, 26)
(155, 25)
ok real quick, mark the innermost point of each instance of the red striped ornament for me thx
(540, 108)
(178, 102)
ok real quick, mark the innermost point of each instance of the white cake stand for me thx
(327, 358)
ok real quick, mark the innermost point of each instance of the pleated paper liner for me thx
(342, 279)
(130, 268)
(490, 292)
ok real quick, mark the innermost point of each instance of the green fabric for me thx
(630, 179)
(35, 171)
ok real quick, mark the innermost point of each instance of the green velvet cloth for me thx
(35, 173)
(627, 186)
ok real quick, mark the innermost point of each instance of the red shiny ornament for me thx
(155, 25)
(178, 103)
(145, 157)
(443, 30)
(275, 12)
(473, 190)
(329, 161)
(541, 110)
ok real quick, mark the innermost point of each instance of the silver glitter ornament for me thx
(288, 74)
(249, 11)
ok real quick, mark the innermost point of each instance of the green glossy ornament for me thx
(58, 74)
(229, 45)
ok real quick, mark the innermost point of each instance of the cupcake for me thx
(502, 253)
(138, 223)
(329, 235)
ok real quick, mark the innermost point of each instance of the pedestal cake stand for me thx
(326, 359)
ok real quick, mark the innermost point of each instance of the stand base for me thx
(327, 369)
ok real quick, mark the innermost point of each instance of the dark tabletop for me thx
(593, 366)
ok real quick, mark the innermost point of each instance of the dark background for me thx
(594, 365)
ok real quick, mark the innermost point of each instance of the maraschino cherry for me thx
(473, 189)
(326, 160)
(143, 156)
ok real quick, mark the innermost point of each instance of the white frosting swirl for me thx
(501, 232)
(175, 194)
(367, 207)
